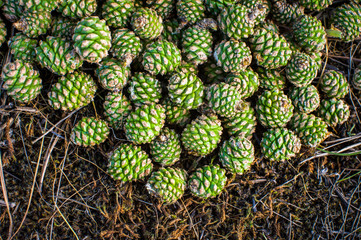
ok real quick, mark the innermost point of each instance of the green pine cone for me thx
(171, 31)
(305, 99)
(202, 135)
(238, 21)
(190, 11)
(286, 13)
(185, 89)
(57, 55)
(117, 13)
(129, 163)
(34, 24)
(346, 20)
(232, 56)
(12, 10)
(168, 184)
(63, 27)
(146, 23)
(259, 7)
(125, 44)
(224, 99)
(92, 39)
(116, 108)
(237, 154)
(243, 123)
(164, 8)
(356, 79)
(3, 32)
(175, 114)
(216, 6)
(310, 129)
(246, 82)
(166, 147)
(274, 108)
(144, 89)
(270, 50)
(301, 69)
(197, 44)
(333, 111)
(187, 67)
(89, 132)
(270, 79)
(334, 84)
(161, 57)
(144, 123)
(22, 48)
(309, 33)
(112, 74)
(38, 5)
(21, 81)
(207, 181)
(315, 4)
(212, 72)
(72, 91)
(280, 144)
(77, 8)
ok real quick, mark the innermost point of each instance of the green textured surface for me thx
(77, 8)
(202, 135)
(144, 89)
(237, 154)
(185, 89)
(117, 13)
(144, 123)
(166, 147)
(167, 183)
(57, 55)
(232, 56)
(34, 24)
(246, 82)
(310, 129)
(223, 98)
(309, 33)
(190, 11)
(347, 20)
(89, 132)
(274, 108)
(333, 111)
(161, 57)
(22, 47)
(305, 99)
(207, 181)
(72, 91)
(92, 39)
(301, 69)
(334, 84)
(21, 81)
(279, 144)
(243, 123)
(116, 108)
(129, 162)
(112, 74)
(146, 23)
(269, 49)
(197, 44)
(315, 4)
(238, 21)
(125, 44)
(271, 78)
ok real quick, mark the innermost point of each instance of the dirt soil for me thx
(56, 190)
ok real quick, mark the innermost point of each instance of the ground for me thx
(56, 190)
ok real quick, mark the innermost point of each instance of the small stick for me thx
(5, 194)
